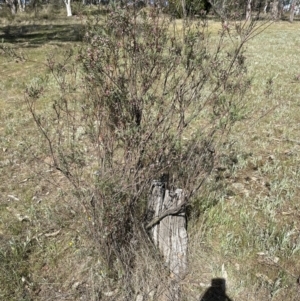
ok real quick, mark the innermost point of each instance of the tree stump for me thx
(168, 231)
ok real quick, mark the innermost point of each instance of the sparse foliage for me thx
(137, 103)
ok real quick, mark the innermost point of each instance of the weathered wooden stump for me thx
(168, 231)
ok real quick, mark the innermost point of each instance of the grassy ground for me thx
(250, 236)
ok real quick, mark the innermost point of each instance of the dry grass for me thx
(247, 234)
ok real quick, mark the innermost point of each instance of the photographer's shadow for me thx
(216, 292)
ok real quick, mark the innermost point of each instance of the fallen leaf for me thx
(52, 234)
(13, 197)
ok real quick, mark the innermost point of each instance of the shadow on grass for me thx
(217, 291)
(36, 35)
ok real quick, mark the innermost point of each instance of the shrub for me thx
(144, 99)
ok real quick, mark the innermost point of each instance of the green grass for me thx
(248, 231)
(255, 223)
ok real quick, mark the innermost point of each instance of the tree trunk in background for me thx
(21, 4)
(280, 9)
(248, 10)
(275, 12)
(292, 11)
(68, 7)
(266, 6)
(13, 5)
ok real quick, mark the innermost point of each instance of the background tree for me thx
(68, 7)
(248, 10)
(277, 9)
(13, 5)
(292, 10)
(237, 10)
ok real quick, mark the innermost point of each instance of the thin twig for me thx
(172, 211)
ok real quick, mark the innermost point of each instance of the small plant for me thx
(15, 269)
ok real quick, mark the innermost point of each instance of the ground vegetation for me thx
(243, 224)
